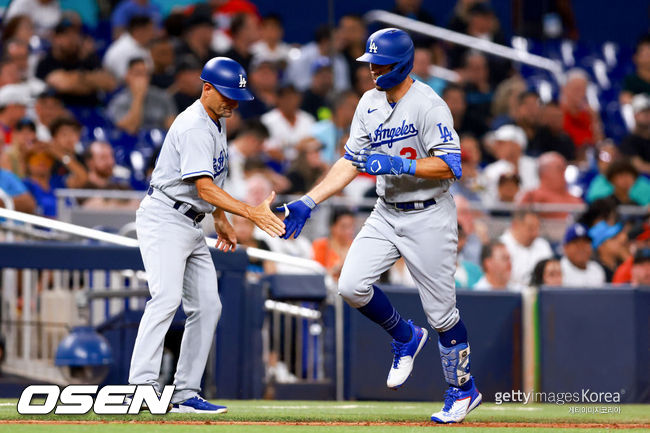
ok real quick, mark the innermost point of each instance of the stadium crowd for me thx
(80, 109)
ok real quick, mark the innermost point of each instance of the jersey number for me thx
(445, 135)
(408, 152)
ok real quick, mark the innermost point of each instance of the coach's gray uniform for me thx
(420, 125)
(175, 255)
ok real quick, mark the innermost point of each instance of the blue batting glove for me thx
(296, 215)
(378, 163)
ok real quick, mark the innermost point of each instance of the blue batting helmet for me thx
(228, 77)
(388, 46)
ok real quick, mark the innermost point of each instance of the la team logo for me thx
(373, 47)
(79, 400)
(242, 81)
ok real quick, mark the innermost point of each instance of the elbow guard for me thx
(453, 161)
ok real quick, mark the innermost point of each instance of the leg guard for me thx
(455, 363)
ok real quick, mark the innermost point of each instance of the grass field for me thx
(347, 417)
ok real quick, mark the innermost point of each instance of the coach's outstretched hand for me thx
(378, 163)
(263, 218)
(296, 215)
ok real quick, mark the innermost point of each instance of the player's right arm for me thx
(339, 176)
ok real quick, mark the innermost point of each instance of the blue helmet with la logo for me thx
(228, 77)
(387, 47)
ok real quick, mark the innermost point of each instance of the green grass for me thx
(356, 412)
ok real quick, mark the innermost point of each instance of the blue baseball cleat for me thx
(458, 404)
(403, 356)
(197, 404)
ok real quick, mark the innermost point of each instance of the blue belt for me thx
(411, 205)
(195, 216)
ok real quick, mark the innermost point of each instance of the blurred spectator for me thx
(578, 270)
(475, 230)
(641, 268)
(197, 37)
(622, 182)
(287, 123)
(48, 107)
(131, 45)
(100, 161)
(18, 27)
(363, 80)
(525, 246)
(508, 145)
(469, 185)
(547, 272)
(299, 70)
(464, 121)
(611, 245)
(9, 73)
(399, 274)
(23, 141)
(603, 209)
(64, 150)
(422, 61)
(244, 229)
(581, 123)
(76, 76)
(270, 46)
(308, 167)
(248, 144)
(413, 9)
(552, 185)
(11, 185)
(527, 114)
(467, 273)
(45, 14)
(331, 251)
(140, 105)
(482, 23)
(352, 35)
(16, 52)
(478, 90)
(263, 82)
(639, 239)
(506, 99)
(330, 132)
(496, 264)
(551, 136)
(636, 145)
(507, 190)
(128, 9)
(13, 105)
(315, 100)
(545, 20)
(244, 32)
(460, 18)
(639, 81)
(187, 83)
(163, 59)
(40, 182)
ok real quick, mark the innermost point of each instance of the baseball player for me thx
(403, 133)
(185, 185)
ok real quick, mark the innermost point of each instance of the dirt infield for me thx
(359, 424)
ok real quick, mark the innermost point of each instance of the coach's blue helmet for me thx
(228, 77)
(386, 47)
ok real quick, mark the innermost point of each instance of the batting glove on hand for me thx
(296, 215)
(378, 163)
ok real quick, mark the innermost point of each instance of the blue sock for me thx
(382, 312)
(452, 337)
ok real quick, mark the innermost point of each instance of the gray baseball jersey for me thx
(194, 146)
(420, 125)
(176, 258)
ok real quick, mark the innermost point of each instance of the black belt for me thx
(195, 216)
(411, 205)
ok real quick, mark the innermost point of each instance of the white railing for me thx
(486, 46)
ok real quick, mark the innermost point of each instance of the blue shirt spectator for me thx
(14, 188)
